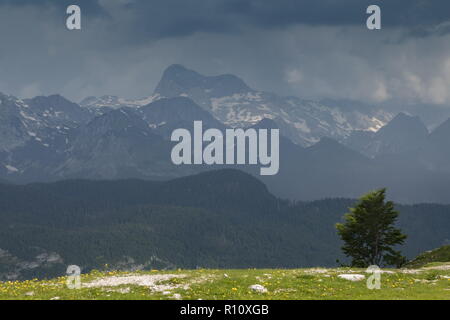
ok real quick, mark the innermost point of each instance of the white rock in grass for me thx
(258, 288)
(352, 277)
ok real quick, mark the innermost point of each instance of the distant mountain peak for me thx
(174, 69)
(6, 97)
(176, 66)
(405, 116)
(404, 133)
(107, 102)
(54, 99)
(178, 80)
(329, 146)
(118, 119)
(404, 124)
(442, 130)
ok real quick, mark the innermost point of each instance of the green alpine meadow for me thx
(427, 283)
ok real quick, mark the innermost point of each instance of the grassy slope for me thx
(439, 255)
(234, 284)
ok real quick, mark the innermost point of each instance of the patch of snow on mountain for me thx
(301, 125)
(27, 116)
(378, 124)
(114, 102)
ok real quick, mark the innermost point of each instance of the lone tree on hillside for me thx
(369, 233)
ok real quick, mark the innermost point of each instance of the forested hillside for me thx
(223, 219)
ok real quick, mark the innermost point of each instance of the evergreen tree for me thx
(369, 234)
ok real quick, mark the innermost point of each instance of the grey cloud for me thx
(290, 47)
(173, 18)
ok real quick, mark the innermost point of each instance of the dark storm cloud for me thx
(294, 47)
(91, 6)
(169, 18)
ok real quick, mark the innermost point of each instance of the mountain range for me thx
(328, 148)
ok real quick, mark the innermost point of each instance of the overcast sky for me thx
(311, 49)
